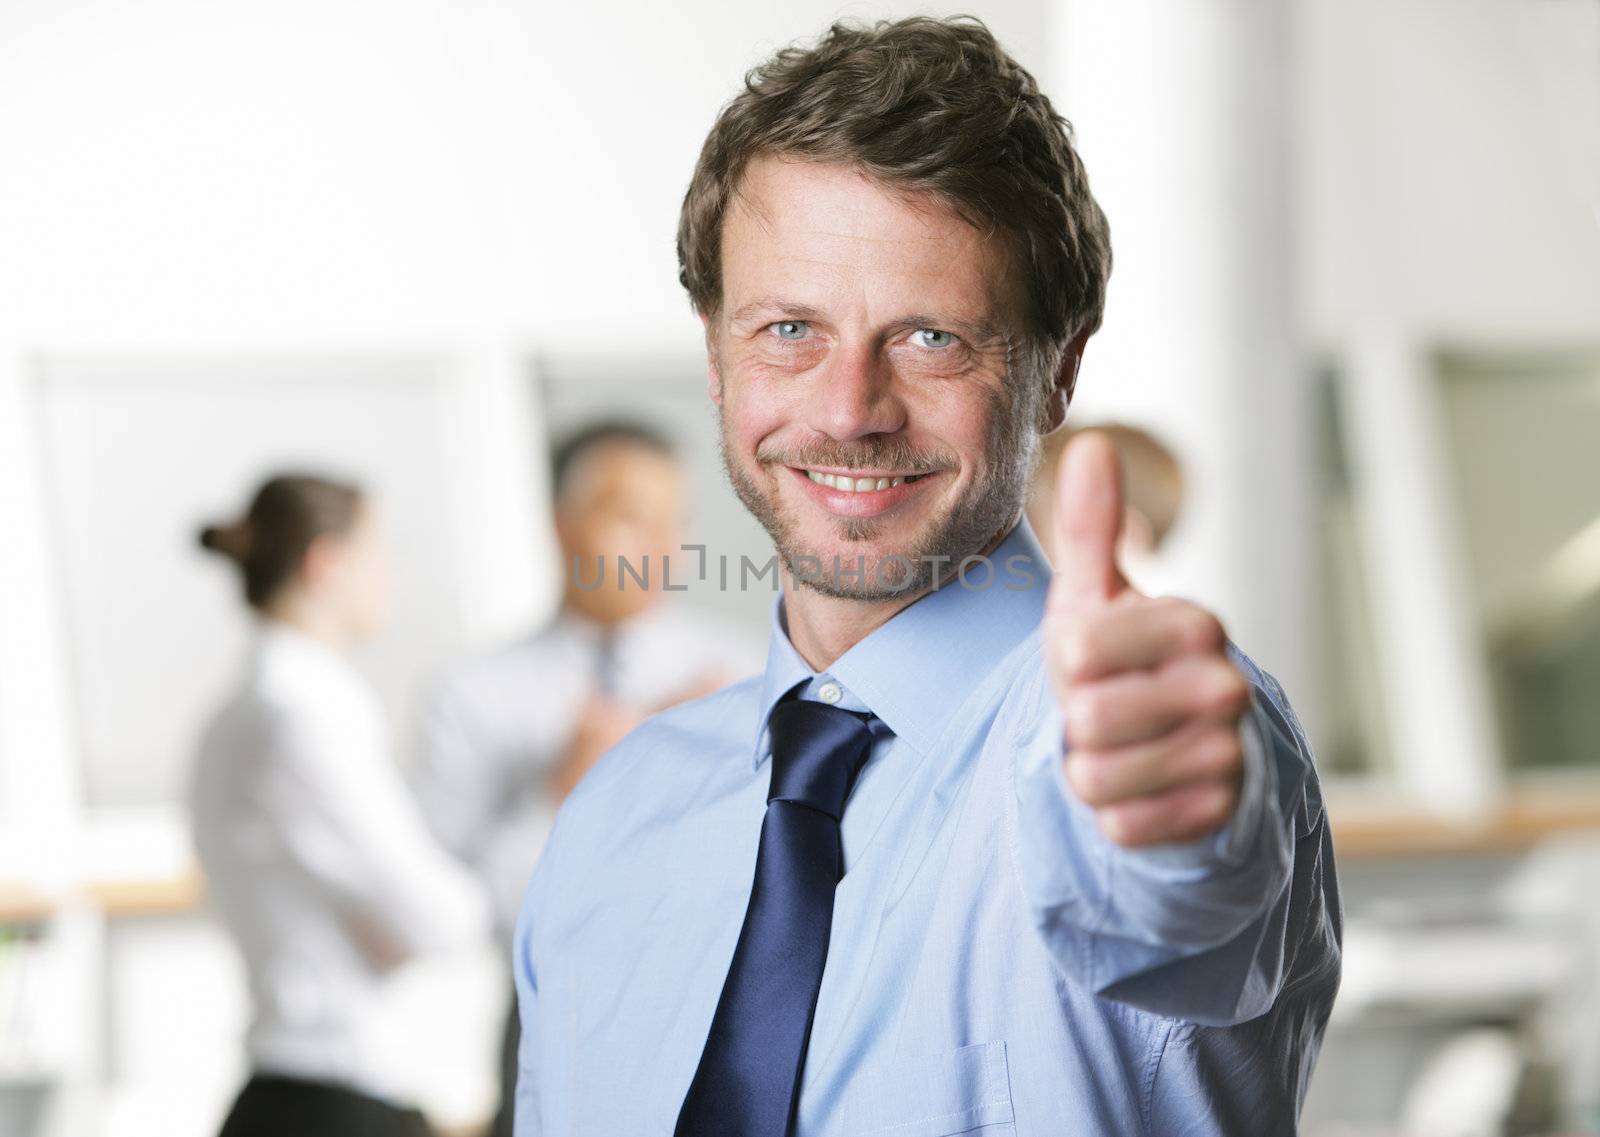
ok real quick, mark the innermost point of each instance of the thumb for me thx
(1088, 521)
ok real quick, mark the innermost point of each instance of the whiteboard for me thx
(140, 452)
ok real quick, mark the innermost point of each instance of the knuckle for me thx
(1204, 812)
(1222, 752)
(1230, 689)
(1216, 807)
(1078, 650)
(1202, 632)
(1117, 826)
(1084, 778)
(1085, 715)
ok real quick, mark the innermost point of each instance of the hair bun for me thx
(232, 541)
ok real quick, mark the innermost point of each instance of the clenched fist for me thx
(1150, 701)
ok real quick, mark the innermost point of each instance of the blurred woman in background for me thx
(315, 856)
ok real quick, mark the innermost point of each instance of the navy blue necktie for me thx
(748, 1081)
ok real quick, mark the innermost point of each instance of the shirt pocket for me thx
(935, 1095)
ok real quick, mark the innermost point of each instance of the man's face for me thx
(864, 340)
(622, 502)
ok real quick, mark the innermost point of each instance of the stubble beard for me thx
(967, 528)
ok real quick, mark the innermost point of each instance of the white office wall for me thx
(1449, 169)
(186, 172)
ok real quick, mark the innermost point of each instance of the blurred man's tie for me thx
(605, 663)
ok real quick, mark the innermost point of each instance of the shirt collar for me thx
(301, 661)
(581, 629)
(916, 670)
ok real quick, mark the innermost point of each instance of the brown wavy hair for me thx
(934, 106)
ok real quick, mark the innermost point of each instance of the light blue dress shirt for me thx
(996, 966)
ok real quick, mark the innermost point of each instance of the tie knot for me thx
(817, 751)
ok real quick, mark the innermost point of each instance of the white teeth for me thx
(852, 485)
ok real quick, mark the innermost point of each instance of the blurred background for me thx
(1356, 297)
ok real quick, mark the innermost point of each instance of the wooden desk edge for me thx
(166, 896)
(154, 896)
(1358, 833)
(1519, 824)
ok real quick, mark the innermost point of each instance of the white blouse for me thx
(318, 860)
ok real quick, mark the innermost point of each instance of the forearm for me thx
(362, 841)
(1185, 930)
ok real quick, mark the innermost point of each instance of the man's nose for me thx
(853, 395)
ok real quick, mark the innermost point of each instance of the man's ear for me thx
(713, 372)
(1060, 397)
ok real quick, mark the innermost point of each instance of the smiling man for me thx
(987, 849)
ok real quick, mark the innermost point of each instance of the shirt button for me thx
(830, 693)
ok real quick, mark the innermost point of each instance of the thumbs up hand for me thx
(1150, 702)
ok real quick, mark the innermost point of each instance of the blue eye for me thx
(932, 337)
(791, 329)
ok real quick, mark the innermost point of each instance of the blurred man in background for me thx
(510, 733)
(1153, 487)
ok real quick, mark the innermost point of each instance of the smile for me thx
(844, 492)
(862, 483)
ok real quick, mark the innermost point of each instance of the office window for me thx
(1354, 738)
(1523, 436)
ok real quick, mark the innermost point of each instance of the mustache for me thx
(861, 454)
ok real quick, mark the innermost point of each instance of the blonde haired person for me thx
(317, 860)
(1154, 490)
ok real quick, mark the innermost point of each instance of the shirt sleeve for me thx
(1194, 931)
(483, 779)
(349, 825)
(528, 1119)
(455, 782)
